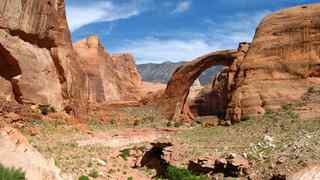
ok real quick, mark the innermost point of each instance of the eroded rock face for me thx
(110, 77)
(281, 65)
(16, 152)
(37, 61)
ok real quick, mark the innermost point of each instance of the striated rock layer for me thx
(282, 63)
(110, 77)
(37, 60)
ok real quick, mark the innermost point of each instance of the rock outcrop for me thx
(282, 63)
(16, 152)
(37, 62)
(109, 77)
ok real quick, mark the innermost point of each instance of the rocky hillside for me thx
(162, 72)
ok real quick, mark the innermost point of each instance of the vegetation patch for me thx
(175, 173)
(11, 173)
(124, 154)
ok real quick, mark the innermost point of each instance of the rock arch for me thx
(173, 104)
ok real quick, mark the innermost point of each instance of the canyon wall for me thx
(283, 62)
(110, 77)
(37, 62)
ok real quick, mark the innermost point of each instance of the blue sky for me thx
(170, 30)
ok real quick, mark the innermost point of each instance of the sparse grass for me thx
(58, 141)
(11, 173)
(294, 140)
(140, 117)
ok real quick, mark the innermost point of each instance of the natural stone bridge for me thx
(174, 104)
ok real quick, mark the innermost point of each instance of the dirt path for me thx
(127, 137)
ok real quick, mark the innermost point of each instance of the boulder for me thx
(16, 152)
(37, 62)
(109, 77)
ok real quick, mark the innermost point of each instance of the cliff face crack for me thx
(34, 39)
(10, 71)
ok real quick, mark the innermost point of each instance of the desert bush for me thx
(174, 173)
(124, 154)
(11, 173)
(262, 149)
(83, 178)
(46, 109)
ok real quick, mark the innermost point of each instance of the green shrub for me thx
(174, 173)
(83, 178)
(124, 154)
(130, 178)
(46, 109)
(11, 173)
(245, 118)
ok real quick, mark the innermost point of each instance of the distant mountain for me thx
(152, 72)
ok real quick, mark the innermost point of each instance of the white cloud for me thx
(235, 29)
(156, 50)
(107, 11)
(183, 7)
(184, 46)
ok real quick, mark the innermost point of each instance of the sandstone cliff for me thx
(37, 60)
(110, 77)
(281, 65)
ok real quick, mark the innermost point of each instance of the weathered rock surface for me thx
(37, 61)
(110, 77)
(308, 173)
(16, 152)
(281, 65)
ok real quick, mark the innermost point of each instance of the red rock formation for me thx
(37, 61)
(277, 69)
(281, 65)
(110, 77)
(174, 101)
